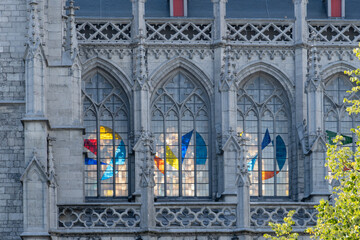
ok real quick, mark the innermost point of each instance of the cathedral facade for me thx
(170, 119)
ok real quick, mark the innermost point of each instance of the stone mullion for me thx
(300, 37)
(138, 23)
(318, 186)
(144, 147)
(318, 171)
(221, 96)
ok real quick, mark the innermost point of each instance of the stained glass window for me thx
(105, 142)
(337, 120)
(263, 117)
(181, 126)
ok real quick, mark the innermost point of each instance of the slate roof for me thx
(104, 8)
(260, 9)
(204, 9)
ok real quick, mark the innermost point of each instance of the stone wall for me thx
(12, 107)
(140, 60)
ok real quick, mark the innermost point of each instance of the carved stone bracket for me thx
(147, 140)
(51, 166)
(303, 137)
(147, 173)
(242, 173)
(223, 138)
(319, 142)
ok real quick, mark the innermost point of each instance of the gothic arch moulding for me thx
(282, 78)
(335, 68)
(108, 68)
(162, 73)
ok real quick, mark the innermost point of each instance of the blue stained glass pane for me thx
(251, 164)
(266, 140)
(119, 160)
(185, 140)
(91, 161)
(201, 150)
(108, 172)
(280, 152)
(120, 154)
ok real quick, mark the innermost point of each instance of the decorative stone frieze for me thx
(196, 216)
(262, 214)
(185, 52)
(263, 53)
(92, 216)
(109, 52)
(336, 54)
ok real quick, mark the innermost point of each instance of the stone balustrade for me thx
(263, 213)
(332, 32)
(179, 215)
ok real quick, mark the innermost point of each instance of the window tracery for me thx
(337, 119)
(105, 142)
(263, 116)
(180, 124)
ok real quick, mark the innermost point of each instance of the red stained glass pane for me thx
(178, 7)
(336, 8)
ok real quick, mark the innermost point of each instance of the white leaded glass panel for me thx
(268, 135)
(105, 142)
(337, 120)
(182, 136)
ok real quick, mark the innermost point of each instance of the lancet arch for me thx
(180, 121)
(264, 117)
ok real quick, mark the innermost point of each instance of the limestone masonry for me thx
(169, 119)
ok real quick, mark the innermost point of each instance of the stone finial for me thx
(51, 165)
(228, 72)
(71, 44)
(33, 35)
(313, 76)
(313, 58)
(140, 71)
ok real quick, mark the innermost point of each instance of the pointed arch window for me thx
(105, 144)
(180, 122)
(263, 117)
(337, 119)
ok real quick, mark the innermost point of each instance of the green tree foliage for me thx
(341, 219)
(283, 230)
